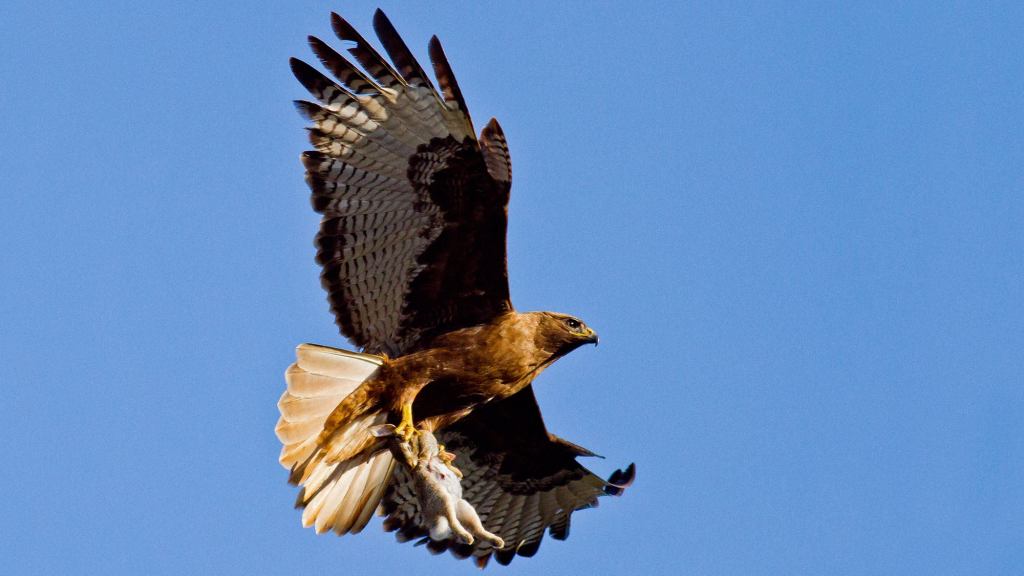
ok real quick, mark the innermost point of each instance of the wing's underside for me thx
(412, 240)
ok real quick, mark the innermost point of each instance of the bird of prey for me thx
(412, 249)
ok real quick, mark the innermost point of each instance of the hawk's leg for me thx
(406, 430)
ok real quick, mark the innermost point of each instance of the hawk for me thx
(412, 246)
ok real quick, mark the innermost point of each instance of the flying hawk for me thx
(412, 245)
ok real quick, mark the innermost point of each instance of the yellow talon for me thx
(406, 429)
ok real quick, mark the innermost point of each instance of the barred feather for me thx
(408, 67)
(385, 136)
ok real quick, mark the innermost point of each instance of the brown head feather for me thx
(559, 334)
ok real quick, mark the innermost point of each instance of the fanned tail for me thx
(326, 440)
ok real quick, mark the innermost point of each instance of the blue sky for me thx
(799, 230)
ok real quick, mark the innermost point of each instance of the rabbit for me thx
(439, 489)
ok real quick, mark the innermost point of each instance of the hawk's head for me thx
(560, 333)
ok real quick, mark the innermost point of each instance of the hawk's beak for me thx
(592, 337)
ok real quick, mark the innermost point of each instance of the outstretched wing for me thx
(520, 483)
(412, 240)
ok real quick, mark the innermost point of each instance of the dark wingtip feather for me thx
(460, 550)
(322, 50)
(620, 480)
(399, 52)
(560, 530)
(529, 549)
(342, 28)
(446, 77)
(391, 524)
(342, 69)
(310, 78)
(481, 561)
(299, 69)
(505, 556)
(307, 109)
(499, 165)
(493, 128)
(434, 547)
(409, 532)
(364, 53)
(313, 156)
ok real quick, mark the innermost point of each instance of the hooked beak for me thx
(592, 337)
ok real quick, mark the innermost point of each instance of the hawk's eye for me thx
(573, 323)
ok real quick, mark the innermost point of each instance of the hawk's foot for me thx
(406, 429)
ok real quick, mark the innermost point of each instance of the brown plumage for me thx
(412, 245)
(461, 370)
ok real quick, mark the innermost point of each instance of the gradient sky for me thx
(799, 230)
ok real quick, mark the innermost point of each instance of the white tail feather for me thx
(318, 381)
(380, 468)
(336, 363)
(338, 496)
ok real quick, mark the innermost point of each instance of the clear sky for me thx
(799, 230)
